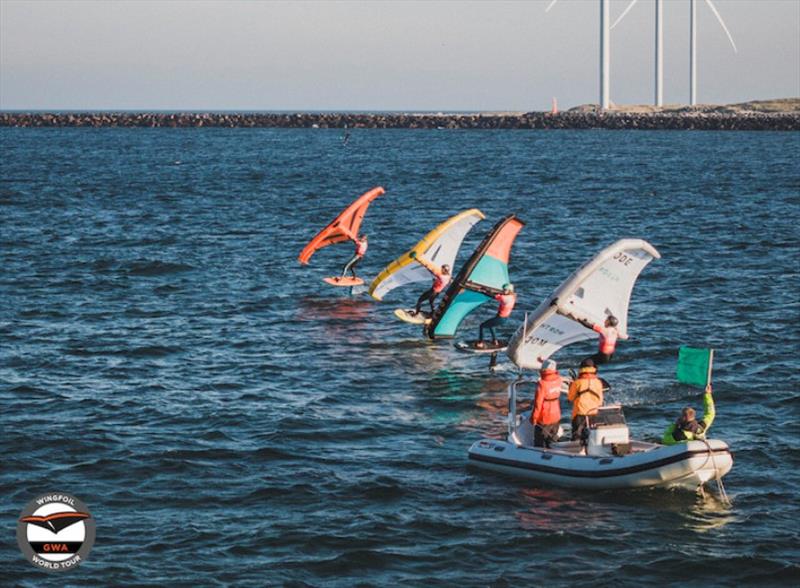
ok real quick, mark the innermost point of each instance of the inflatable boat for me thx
(606, 459)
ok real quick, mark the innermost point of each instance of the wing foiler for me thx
(440, 247)
(484, 274)
(600, 287)
(343, 228)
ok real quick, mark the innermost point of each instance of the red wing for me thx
(343, 228)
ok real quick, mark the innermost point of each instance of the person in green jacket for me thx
(687, 427)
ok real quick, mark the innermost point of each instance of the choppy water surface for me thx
(230, 419)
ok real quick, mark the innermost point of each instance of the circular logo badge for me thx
(55, 532)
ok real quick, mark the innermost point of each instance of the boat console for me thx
(608, 432)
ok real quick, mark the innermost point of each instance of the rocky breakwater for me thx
(687, 119)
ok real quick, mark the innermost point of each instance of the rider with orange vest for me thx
(441, 278)
(546, 412)
(507, 300)
(586, 395)
(608, 335)
(608, 340)
(361, 249)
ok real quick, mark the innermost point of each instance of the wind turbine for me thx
(605, 52)
(692, 46)
(659, 91)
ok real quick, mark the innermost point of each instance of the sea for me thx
(231, 420)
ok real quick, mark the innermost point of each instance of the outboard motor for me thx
(608, 432)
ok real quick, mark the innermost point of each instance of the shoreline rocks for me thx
(692, 120)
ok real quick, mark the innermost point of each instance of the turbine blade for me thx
(722, 24)
(549, 6)
(624, 12)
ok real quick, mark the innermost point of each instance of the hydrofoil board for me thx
(471, 347)
(340, 281)
(408, 315)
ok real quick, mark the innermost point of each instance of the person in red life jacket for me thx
(361, 249)
(441, 278)
(546, 412)
(586, 395)
(507, 299)
(608, 334)
(608, 340)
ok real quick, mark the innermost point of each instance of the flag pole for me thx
(710, 367)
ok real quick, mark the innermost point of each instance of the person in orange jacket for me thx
(546, 413)
(586, 395)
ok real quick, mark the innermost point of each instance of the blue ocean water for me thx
(231, 420)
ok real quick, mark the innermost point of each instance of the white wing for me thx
(599, 288)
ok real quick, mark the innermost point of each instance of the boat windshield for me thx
(607, 416)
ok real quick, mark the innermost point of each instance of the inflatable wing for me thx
(343, 228)
(599, 288)
(485, 272)
(440, 247)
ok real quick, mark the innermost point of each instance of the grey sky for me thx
(380, 55)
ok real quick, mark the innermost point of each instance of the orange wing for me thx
(343, 228)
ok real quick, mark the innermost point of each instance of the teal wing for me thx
(481, 277)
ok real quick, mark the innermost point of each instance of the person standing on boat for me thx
(546, 413)
(361, 249)
(441, 278)
(506, 299)
(687, 427)
(586, 395)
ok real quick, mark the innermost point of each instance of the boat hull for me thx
(687, 465)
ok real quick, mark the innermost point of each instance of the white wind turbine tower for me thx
(659, 101)
(605, 52)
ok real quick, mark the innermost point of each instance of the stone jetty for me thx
(718, 119)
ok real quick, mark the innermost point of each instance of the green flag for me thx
(694, 366)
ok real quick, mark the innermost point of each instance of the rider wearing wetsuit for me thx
(441, 278)
(361, 249)
(608, 340)
(507, 299)
(607, 332)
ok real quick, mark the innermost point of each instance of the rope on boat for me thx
(718, 478)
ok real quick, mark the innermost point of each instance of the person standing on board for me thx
(546, 413)
(586, 395)
(441, 278)
(687, 427)
(507, 299)
(361, 249)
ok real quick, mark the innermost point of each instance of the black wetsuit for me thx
(600, 358)
(428, 295)
(490, 324)
(350, 265)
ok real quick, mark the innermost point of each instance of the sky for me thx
(381, 55)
